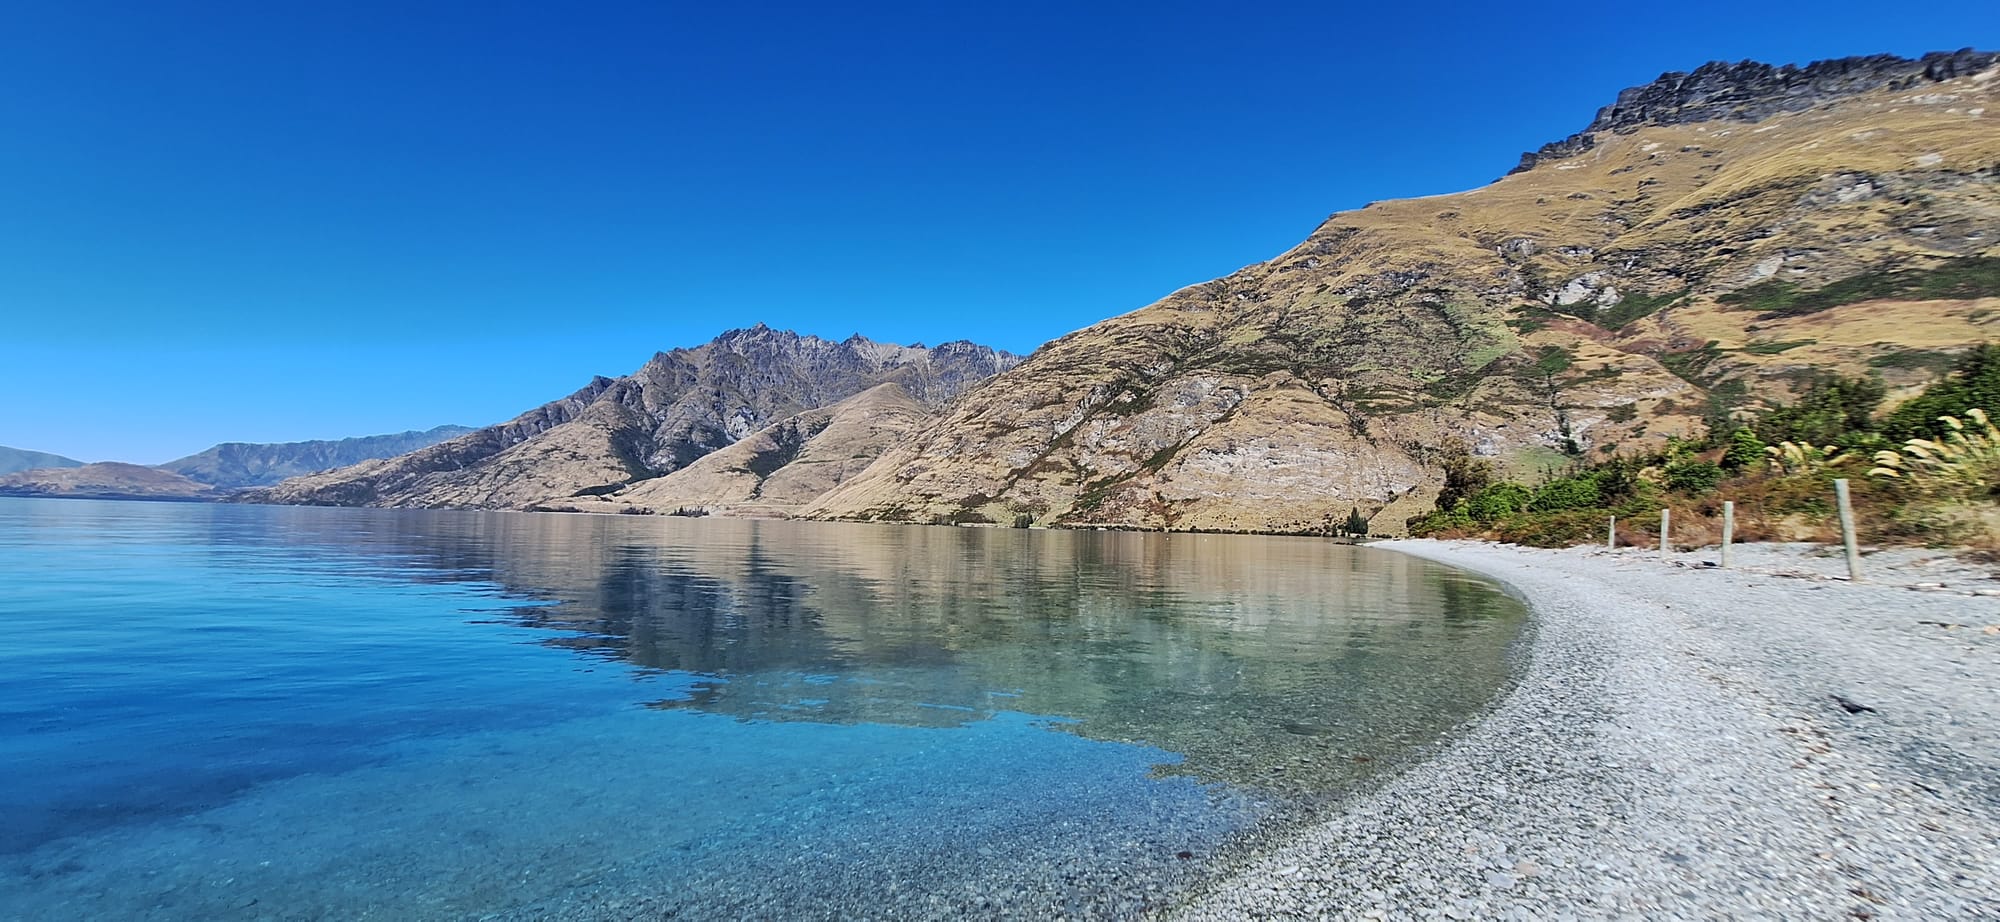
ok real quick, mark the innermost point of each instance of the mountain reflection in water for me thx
(1291, 664)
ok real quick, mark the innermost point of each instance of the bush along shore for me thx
(1926, 473)
(1689, 742)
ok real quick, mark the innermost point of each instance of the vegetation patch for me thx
(1775, 348)
(1692, 365)
(1932, 360)
(1833, 410)
(1960, 278)
(1940, 484)
(1974, 383)
(1630, 308)
(1553, 360)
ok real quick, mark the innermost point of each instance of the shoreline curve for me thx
(1684, 741)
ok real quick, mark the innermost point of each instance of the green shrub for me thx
(1693, 477)
(1832, 410)
(1566, 493)
(1441, 521)
(1746, 450)
(1974, 382)
(1497, 501)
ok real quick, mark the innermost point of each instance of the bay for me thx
(215, 712)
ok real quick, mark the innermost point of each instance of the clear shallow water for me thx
(253, 712)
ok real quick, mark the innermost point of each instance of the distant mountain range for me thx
(234, 465)
(21, 459)
(615, 434)
(105, 480)
(209, 474)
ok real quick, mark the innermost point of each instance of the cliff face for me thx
(233, 465)
(677, 408)
(1679, 260)
(1750, 91)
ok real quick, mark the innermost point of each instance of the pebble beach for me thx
(1769, 741)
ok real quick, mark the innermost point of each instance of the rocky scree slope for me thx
(1710, 240)
(615, 432)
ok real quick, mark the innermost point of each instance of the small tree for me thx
(1746, 450)
(1357, 524)
(1464, 475)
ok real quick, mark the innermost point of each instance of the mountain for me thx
(780, 468)
(105, 480)
(1706, 243)
(677, 408)
(233, 465)
(21, 459)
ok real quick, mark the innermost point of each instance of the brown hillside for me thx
(1614, 293)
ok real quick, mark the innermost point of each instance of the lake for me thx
(245, 712)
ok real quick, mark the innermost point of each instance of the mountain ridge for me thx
(1751, 91)
(679, 406)
(1591, 304)
(15, 460)
(105, 480)
(234, 465)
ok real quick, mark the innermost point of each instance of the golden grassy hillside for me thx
(1594, 303)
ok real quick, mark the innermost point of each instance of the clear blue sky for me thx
(269, 221)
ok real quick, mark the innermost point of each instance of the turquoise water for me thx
(240, 712)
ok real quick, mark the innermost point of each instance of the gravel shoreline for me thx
(1688, 742)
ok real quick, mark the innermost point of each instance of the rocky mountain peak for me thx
(1751, 91)
(680, 406)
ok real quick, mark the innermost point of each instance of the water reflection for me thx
(1291, 664)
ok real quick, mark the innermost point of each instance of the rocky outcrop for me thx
(105, 480)
(235, 465)
(1749, 91)
(679, 407)
(21, 459)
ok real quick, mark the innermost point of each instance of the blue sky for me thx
(268, 221)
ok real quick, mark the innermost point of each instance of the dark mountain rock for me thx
(1749, 91)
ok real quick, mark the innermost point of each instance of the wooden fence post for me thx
(1847, 529)
(1728, 529)
(1611, 535)
(1665, 543)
